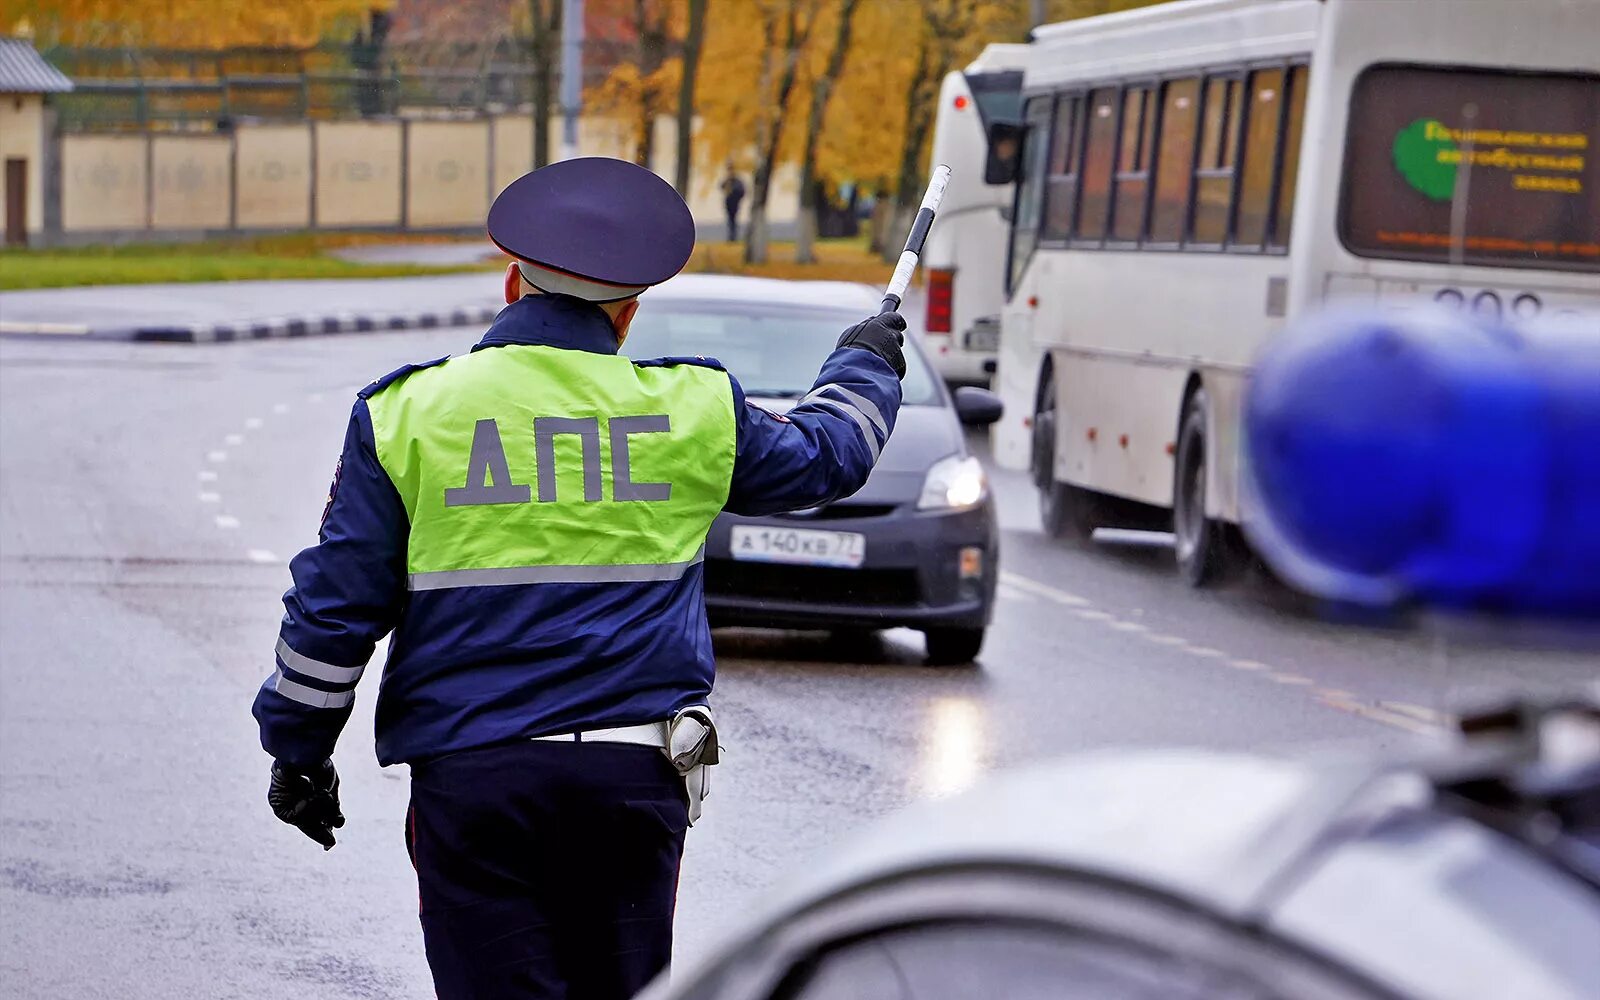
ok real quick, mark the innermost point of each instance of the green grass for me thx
(296, 255)
(305, 255)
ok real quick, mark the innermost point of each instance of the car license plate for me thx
(805, 546)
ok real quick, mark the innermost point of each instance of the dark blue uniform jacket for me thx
(475, 666)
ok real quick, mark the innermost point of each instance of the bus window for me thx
(1213, 176)
(1030, 187)
(1263, 111)
(1133, 164)
(1523, 147)
(1062, 194)
(1294, 124)
(1180, 115)
(1099, 157)
(997, 95)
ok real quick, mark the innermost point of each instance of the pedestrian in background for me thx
(732, 197)
(529, 522)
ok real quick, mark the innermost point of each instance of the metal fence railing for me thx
(124, 89)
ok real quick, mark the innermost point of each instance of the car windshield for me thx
(774, 352)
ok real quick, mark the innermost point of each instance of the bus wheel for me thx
(1200, 542)
(1067, 512)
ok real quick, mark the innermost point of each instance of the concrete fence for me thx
(400, 174)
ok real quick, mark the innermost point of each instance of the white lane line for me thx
(1011, 593)
(280, 407)
(1375, 714)
(227, 521)
(1296, 680)
(1161, 639)
(315, 397)
(1044, 590)
(1122, 626)
(1204, 651)
(1247, 665)
(1415, 711)
(210, 497)
(233, 439)
(1094, 616)
(253, 423)
(1335, 694)
(261, 556)
(216, 456)
(206, 476)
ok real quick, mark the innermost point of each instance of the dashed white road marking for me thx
(1044, 590)
(315, 397)
(280, 407)
(1399, 715)
(206, 476)
(253, 423)
(260, 556)
(227, 521)
(216, 456)
(1011, 593)
(233, 439)
(1415, 711)
(210, 497)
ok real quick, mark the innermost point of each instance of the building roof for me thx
(24, 71)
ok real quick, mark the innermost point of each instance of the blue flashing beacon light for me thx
(1429, 456)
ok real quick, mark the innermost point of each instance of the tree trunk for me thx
(755, 248)
(652, 37)
(934, 57)
(821, 92)
(692, 44)
(545, 16)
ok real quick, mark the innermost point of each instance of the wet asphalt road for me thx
(150, 497)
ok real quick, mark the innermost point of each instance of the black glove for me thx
(882, 335)
(308, 802)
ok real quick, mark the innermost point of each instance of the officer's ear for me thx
(622, 318)
(513, 283)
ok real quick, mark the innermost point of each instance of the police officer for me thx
(528, 521)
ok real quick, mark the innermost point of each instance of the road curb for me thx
(273, 328)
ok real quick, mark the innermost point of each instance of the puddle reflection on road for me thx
(953, 747)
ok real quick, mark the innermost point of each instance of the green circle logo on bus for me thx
(1416, 156)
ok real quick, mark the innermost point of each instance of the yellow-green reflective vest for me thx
(528, 464)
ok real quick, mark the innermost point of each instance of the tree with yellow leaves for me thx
(189, 24)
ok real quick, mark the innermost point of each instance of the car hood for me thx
(922, 435)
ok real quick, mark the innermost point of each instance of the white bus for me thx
(1197, 174)
(964, 259)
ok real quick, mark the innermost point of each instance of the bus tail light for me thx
(941, 298)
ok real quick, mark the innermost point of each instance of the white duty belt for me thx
(688, 739)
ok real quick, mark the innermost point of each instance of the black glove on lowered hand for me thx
(308, 802)
(883, 335)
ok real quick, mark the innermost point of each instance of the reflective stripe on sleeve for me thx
(862, 403)
(295, 691)
(301, 664)
(514, 575)
(848, 409)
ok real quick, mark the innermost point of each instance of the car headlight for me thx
(954, 483)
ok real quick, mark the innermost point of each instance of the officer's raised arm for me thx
(825, 447)
(348, 593)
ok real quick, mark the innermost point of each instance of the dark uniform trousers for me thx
(547, 869)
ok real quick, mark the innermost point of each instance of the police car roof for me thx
(727, 288)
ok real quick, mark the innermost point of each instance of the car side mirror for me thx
(977, 407)
(1005, 149)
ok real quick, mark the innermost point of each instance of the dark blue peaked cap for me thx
(595, 227)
